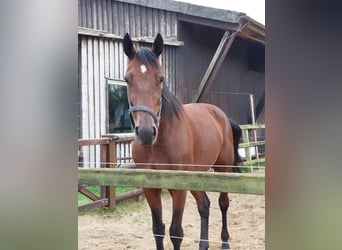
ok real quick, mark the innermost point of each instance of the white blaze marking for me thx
(143, 68)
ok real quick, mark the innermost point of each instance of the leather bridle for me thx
(146, 109)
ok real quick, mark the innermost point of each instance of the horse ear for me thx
(158, 44)
(128, 46)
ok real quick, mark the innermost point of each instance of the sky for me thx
(253, 8)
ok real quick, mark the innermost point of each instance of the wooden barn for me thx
(210, 55)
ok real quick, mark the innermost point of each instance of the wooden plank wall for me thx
(102, 58)
(119, 18)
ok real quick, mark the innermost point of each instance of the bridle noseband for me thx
(146, 109)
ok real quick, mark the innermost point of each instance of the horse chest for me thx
(158, 153)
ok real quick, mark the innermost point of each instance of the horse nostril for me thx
(146, 135)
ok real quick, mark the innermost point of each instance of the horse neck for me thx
(163, 128)
(169, 129)
(172, 118)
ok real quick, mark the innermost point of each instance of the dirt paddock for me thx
(130, 228)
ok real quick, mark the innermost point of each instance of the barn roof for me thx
(218, 18)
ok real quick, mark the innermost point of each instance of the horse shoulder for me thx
(207, 124)
(197, 112)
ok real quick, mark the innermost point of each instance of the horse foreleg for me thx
(153, 197)
(224, 204)
(176, 230)
(203, 204)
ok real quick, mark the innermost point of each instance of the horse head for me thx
(144, 77)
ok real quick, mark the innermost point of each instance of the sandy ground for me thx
(130, 228)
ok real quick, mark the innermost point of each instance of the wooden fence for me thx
(116, 150)
(173, 179)
(250, 140)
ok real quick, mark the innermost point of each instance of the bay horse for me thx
(188, 137)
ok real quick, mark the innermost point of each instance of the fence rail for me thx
(251, 143)
(115, 149)
(174, 179)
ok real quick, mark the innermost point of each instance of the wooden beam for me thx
(251, 144)
(93, 205)
(87, 193)
(251, 126)
(121, 137)
(104, 202)
(253, 162)
(168, 179)
(104, 154)
(215, 65)
(129, 194)
(95, 141)
(209, 22)
(172, 41)
(110, 190)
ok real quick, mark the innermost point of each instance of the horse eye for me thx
(161, 79)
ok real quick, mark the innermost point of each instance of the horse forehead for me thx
(143, 68)
(136, 66)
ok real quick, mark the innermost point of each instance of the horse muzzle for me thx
(146, 135)
(145, 132)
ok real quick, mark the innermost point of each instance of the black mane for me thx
(171, 106)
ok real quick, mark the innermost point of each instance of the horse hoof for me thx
(225, 246)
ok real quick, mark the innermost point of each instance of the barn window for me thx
(119, 121)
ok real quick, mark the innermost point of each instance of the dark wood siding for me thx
(237, 78)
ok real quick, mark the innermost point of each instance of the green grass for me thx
(247, 169)
(96, 190)
(122, 208)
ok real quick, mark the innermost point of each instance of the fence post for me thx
(110, 190)
(104, 159)
(245, 136)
